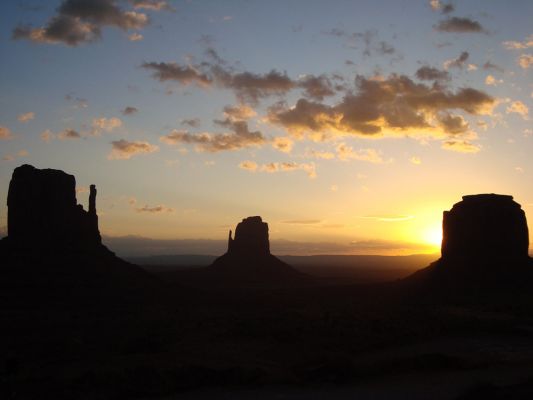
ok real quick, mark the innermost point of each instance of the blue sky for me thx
(235, 130)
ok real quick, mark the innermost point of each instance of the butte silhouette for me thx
(54, 247)
(248, 259)
(484, 248)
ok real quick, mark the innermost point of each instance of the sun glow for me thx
(433, 236)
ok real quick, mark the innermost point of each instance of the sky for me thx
(349, 126)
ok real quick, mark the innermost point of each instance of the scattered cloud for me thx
(274, 167)
(415, 160)
(251, 87)
(427, 73)
(152, 5)
(248, 87)
(78, 101)
(458, 62)
(519, 108)
(490, 66)
(11, 157)
(492, 81)
(525, 60)
(82, 189)
(67, 134)
(47, 135)
(135, 37)
(25, 117)
(192, 122)
(248, 165)
(368, 41)
(105, 124)
(514, 45)
(321, 155)
(124, 150)
(393, 106)
(5, 133)
(453, 124)
(159, 209)
(240, 137)
(239, 112)
(185, 75)
(459, 25)
(317, 87)
(129, 110)
(461, 146)
(436, 5)
(81, 21)
(283, 144)
(346, 153)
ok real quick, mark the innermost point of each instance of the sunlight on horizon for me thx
(433, 235)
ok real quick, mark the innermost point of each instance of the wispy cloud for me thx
(525, 61)
(283, 144)
(124, 150)
(458, 62)
(67, 134)
(240, 137)
(345, 153)
(25, 117)
(154, 209)
(273, 167)
(389, 217)
(5, 133)
(515, 45)
(459, 25)
(518, 107)
(105, 124)
(135, 37)
(129, 110)
(461, 146)
(152, 5)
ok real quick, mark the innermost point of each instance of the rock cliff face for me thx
(484, 253)
(251, 237)
(43, 211)
(485, 227)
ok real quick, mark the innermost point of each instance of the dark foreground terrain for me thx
(168, 340)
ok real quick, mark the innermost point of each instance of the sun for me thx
(433, 235)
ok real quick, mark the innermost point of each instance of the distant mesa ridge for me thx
(485, 227)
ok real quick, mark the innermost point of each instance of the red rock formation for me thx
(248, 259)
(485, 227)
(42, 211)
(251, 237)
(484, 253)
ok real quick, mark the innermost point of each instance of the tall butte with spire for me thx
(248, 258)
(43, 213)
(53, 253)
